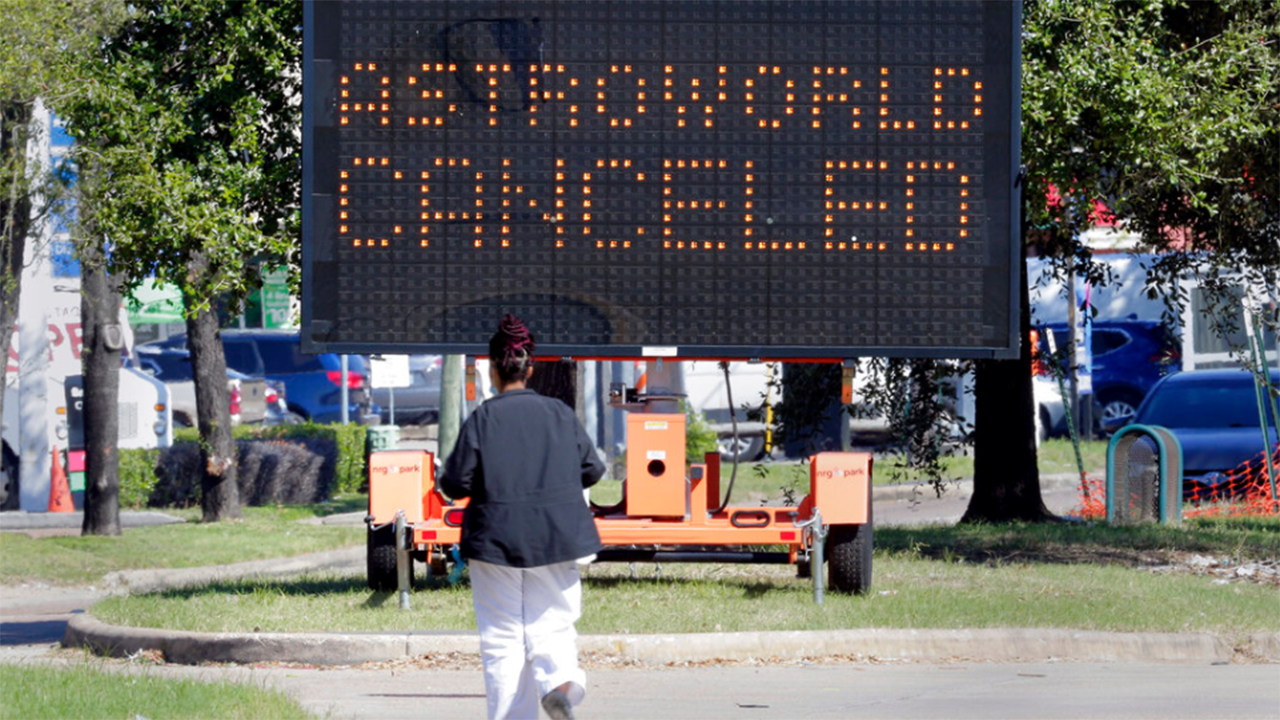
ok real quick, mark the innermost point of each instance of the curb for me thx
(18, 520)
(987, 645)
(149, 581)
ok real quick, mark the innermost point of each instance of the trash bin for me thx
(383, 437)
(1144, 475)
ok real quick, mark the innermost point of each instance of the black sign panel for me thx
(697, 179)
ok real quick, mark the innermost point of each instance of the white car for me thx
(1050, 410)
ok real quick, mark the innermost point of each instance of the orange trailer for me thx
(670, 512)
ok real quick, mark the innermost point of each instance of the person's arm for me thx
(459, 473)
(592, 467)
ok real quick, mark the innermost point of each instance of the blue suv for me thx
(1129, 356)
(313, 383)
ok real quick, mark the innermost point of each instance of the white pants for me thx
(527, 639)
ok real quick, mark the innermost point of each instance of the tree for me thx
(194, 117)
(103, 340)
(38, 44)
(1167, 112)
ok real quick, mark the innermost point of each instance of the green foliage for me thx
(81, 691)
(41, 44)
(138, 479)
(137, 476)
(192, 110)
(349, 439)
(699, 438)
(1169, 112)
(810, 394)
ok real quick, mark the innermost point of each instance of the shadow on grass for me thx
(1073, 543)
(751, 588)
(307, 586)
(342, 504)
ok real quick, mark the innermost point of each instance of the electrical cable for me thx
(733, 418)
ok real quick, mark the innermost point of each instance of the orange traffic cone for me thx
(60, 489)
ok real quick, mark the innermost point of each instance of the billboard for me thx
(681, 179)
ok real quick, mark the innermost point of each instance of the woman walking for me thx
(524, 460)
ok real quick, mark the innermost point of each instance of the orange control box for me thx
(656, 485)
(400, 480)
(840, 486)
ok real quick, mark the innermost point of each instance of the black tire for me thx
(9, 498)
(381, 560)
(748, 448)
(849, 558)
(1116, 403)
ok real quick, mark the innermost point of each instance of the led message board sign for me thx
(693, 179)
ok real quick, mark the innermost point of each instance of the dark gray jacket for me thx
(524, 459)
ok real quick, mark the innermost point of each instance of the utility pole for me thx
(450, 405)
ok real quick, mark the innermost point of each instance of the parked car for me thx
(1214, 415)
(312, 383)
(1129, 357)
(419, 403)
(250, 398)
(1051, 415)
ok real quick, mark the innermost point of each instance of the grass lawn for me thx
(265, 532)
(83, 691)
(1061, 576)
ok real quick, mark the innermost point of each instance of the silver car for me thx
(419, 403)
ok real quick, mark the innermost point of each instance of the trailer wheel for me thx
(849, 557)
(381, 559)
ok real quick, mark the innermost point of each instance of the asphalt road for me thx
(989, 691)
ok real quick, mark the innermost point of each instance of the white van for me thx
(45, 352)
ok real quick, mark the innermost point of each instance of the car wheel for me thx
(9, 481)
(744, 449)
(1117, 405)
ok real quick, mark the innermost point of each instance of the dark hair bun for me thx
(511, 348)
(515, 333)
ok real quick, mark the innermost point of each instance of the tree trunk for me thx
(220, 495)
(103, 339)
(1006, 478)
(15, 220)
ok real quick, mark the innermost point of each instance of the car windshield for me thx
(284, 355)
(1203, 405)
(167, 366)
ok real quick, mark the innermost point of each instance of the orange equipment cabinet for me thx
(656, 484)
(840, 486)
(399, 480)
